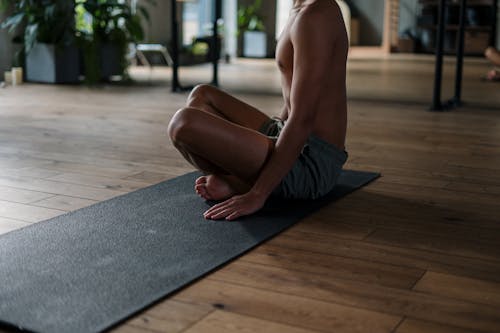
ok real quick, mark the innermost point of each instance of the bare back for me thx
(331, 115)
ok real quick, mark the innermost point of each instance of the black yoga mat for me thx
(88, 270)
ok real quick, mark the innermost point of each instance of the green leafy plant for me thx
(249, 18)
(107, 22)
(39, 21)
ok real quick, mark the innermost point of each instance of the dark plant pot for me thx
(110, 60)
(188, 59)
(49, 63)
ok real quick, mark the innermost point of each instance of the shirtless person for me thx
(248, 156)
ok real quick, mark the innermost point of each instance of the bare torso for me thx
(331, 116)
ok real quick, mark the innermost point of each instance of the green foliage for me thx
(199, 48)
(91, 23)
(44, 21)
(111, 19)
(100, 22)
(249, 19)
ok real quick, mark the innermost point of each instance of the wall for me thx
(408, 11)
(371, 16)
(158, 30)
(229, 9)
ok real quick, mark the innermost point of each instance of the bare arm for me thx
(311, 59)
(284, 113)
(311, 56)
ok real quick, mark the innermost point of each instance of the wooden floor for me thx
(416, 251)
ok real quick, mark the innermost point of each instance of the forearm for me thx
(286, 151)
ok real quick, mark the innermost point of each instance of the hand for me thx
(237, 206)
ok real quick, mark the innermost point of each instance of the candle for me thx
(17, 76)
(8, 77)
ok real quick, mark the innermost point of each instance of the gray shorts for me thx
(316, 170)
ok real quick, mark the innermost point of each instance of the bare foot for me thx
(212, 187)
(493, 75)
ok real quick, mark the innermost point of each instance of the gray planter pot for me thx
(254, 44)
(49, 63)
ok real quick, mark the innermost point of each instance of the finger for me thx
(233, 216)
(214, 209)
(220, 205)
(212, 212)
(222, 214)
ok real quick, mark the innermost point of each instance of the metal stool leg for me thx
(438, 76)
(457, 99)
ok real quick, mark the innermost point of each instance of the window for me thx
(197, 17)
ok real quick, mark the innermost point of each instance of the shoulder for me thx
(322, 18)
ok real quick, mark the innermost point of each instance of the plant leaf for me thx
(30, 36)
(13, 21)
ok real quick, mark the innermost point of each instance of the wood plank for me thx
(316, 263)
(472, 177)
(21, 196)
(437, 243)
(412, 211)
(226, 322)
(32, 172)
(65, 203)
(410, 325)
(169, 317)
(336, 227)
(425, 260)
(132, 329)
(100, 182)
(89, 169)
(53, 187)
(459, 287)
(462, 201)
(27, 213)
(397, 302)
(150, 177)
(297, 311)
(440, 223)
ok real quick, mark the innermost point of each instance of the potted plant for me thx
(104, 29)
(46, 30)
(252, 26)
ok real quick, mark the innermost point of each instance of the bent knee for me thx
(200, 93)
(181, 125)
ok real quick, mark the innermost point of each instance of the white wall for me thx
(229, 16)
(282, 12)
(408, 11)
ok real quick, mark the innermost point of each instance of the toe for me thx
(201, 180)
(201, 189)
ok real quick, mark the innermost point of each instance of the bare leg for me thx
(219, 183)
(493, 55)
(233, 153)
(220, 103)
